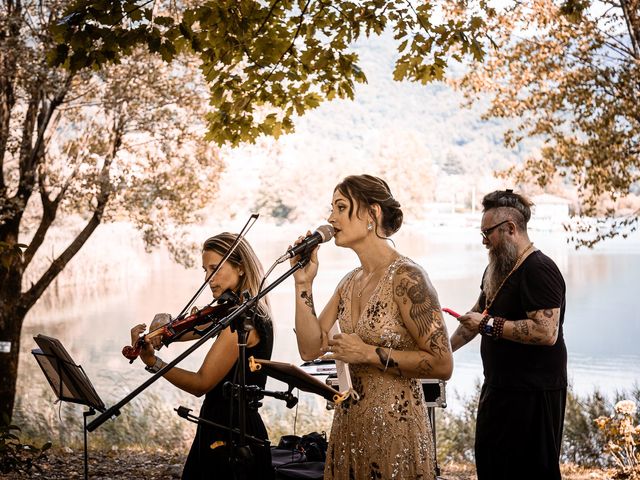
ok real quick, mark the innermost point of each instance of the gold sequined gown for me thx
(385, 434)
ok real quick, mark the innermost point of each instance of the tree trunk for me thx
(11, 319)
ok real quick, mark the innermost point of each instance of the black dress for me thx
(208, 463)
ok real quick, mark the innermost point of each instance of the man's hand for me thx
(471, 321)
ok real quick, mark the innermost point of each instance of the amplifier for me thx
(435, 393)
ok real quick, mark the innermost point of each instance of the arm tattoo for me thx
(413, 287)
(385, 360)
(521, 331)
(523, 334)
(308, 301)
(424, 367)
(546, 323)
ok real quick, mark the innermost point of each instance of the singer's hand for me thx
(348, 348)
(308, 273)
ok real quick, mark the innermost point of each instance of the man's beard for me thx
(502, 258)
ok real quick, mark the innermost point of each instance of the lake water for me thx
(113, 285)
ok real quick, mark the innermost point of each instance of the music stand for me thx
(68, 381)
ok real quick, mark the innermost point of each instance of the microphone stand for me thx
(114, 410)
(241, 456)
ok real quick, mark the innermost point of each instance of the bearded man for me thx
(519, 314)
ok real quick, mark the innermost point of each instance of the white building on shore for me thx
(550, 212)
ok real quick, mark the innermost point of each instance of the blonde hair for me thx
(245, 258)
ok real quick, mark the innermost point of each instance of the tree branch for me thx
(264, 22)
(30, 154)
(30, 297)
(633, 26)
(33, 294)
(8, 63)
(49, 211)
(287, 51)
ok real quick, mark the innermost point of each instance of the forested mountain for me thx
(420, 138)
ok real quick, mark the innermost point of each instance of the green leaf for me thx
(164, 21)
(400, 72)
(312, 100)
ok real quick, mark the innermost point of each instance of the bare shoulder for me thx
(343, 282)
(411, 282)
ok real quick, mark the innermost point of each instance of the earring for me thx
(241, 273)
(369, 226)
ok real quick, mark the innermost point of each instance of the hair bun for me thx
(392, 216)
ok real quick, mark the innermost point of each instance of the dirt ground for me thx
(569, 472)
(145, 465)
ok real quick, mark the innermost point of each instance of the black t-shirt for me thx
(537, 284)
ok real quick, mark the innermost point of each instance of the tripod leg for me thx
(432, 419)
(86, 454)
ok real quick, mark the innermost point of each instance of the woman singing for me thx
(210, 452)
(392, 333)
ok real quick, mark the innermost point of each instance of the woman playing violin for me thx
(210, 452)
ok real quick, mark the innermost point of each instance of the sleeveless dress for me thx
(386, 434)
(205, 462)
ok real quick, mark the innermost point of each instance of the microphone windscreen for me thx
(326, 232)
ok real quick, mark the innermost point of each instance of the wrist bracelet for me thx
(158, 365)
(488, 326)
(483, 324)
(499, 327)
(386, 365)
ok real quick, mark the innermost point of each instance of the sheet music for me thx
(342, 368)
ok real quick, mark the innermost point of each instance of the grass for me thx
(152, 427)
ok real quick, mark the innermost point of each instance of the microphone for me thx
(323, 233)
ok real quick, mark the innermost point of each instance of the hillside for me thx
(418, 137)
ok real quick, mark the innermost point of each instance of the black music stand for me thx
(68, 381)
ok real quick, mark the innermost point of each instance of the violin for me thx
(172, 331)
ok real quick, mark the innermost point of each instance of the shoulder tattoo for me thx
(413, 287)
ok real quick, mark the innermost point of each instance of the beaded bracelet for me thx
(498, 327)
(483, 324)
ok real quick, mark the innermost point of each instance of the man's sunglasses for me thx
(487, 231)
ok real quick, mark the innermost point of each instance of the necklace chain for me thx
(369, 277)
(489, 301)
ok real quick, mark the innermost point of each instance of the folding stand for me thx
(68, 381)
(435, 396)
(295, 377)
